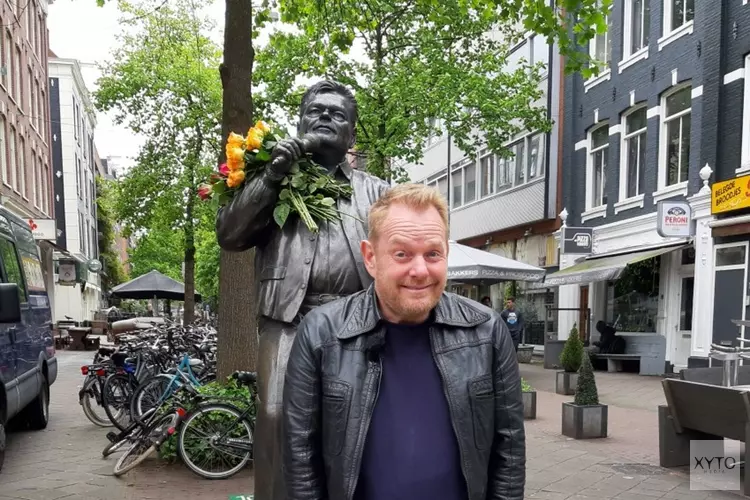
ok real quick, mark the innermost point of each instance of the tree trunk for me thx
(238, 327)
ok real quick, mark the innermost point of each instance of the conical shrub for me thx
(586, 392)
(570, 357)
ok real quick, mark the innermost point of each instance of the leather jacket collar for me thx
(364, 315)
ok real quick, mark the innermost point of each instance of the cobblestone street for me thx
(64, 461)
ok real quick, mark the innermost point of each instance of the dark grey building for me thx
(637, 134)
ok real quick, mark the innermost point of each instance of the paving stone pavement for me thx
(64, 461)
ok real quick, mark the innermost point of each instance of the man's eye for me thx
(339, 116)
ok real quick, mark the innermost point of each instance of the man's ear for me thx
(368, 255)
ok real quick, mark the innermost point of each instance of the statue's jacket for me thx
(283, 259)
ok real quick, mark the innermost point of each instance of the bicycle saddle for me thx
(106, 351)
(247, 378)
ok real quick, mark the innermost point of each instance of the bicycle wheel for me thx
(91, 403)
(144, 445)
(149, 393)
(116, 395)
(202, 448)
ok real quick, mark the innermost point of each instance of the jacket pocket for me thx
(336, 403)
(272, 273)
(482, 400)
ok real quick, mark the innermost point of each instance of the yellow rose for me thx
(235, 140)
(254, 139)
(263, 126)
(233, 164)
(235, 178)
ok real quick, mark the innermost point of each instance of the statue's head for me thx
(329, 110)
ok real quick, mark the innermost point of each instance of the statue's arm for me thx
(245, 222)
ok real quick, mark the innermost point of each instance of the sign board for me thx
(577, 240)
(43, 229)
(66, 273)
(731, 195)
(674, 219)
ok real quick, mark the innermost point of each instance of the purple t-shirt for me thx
(411, 451)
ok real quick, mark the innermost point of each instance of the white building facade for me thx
(77, 290)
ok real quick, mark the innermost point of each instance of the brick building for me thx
(668, 116)
(25, 158)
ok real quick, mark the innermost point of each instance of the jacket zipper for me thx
(363, 435)
(450, 405)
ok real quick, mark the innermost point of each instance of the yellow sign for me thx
(727, 196)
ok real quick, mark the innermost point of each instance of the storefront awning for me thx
(602, 268)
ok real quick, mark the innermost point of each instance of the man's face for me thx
(409, 262)
(329, 116)
(510, 304)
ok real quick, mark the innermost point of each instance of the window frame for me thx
(669, 17)
(590, 152)
(665, 121)
(627, 49)
(624, 138)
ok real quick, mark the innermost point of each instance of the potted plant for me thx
(528, 395)
(570, 360)
(585, 417)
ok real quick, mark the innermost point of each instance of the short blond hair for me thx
(415, 196)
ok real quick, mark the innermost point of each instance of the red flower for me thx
(224, 169)
(204, 191)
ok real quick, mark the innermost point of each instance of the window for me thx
(4, 168)
(19, 80)
(676, 131)
(470, 182)
(487, 174)
(13, 159)
(30, 90)
(456, 188)
(536, 156)
(530, 51)
(637, 21)
(600, 48)
(597, 163)
(45, 190)
(75, 118)
(8, 63)
(22, 165)
(678, 13)
(36, 180)
(36, 119)
(9, 259)
(634, 153)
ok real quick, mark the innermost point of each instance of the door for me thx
(730, 292)
(685, 325)
(583, 314)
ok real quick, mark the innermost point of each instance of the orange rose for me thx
(236, 178)
(263, 127)
(235, 140)
(254, 139)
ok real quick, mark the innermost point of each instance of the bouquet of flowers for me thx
(308, 190)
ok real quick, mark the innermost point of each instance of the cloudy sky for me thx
(80, 30)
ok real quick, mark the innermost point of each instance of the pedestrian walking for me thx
(404, 390)
(514, 319)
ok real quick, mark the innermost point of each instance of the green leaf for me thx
(263, 156)
(281, 213)
(284, 194)
(298, 181)
(328, 202)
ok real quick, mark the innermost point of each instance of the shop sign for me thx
(577, 240)
(727, 196)
(43, 229)
(674, 219)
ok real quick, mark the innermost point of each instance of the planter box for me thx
(529, 405)
(525, 353)
(584, 422)
(566, 383)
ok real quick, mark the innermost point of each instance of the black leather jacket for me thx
(332, 383)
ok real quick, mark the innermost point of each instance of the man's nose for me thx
(418, 268)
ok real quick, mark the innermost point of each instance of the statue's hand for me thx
(286, 153)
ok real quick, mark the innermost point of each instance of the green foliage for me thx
(162, 82)
(570, 357)
(525, 386)
(428, 67)
(586, 392)
(230, 392)
(207, 254)
(114, 271)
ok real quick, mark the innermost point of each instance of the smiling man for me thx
(404, 391)
(298, 270)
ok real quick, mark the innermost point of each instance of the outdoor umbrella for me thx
(152, 285)
(467, 264)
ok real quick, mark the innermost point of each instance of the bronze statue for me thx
(298, 269)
